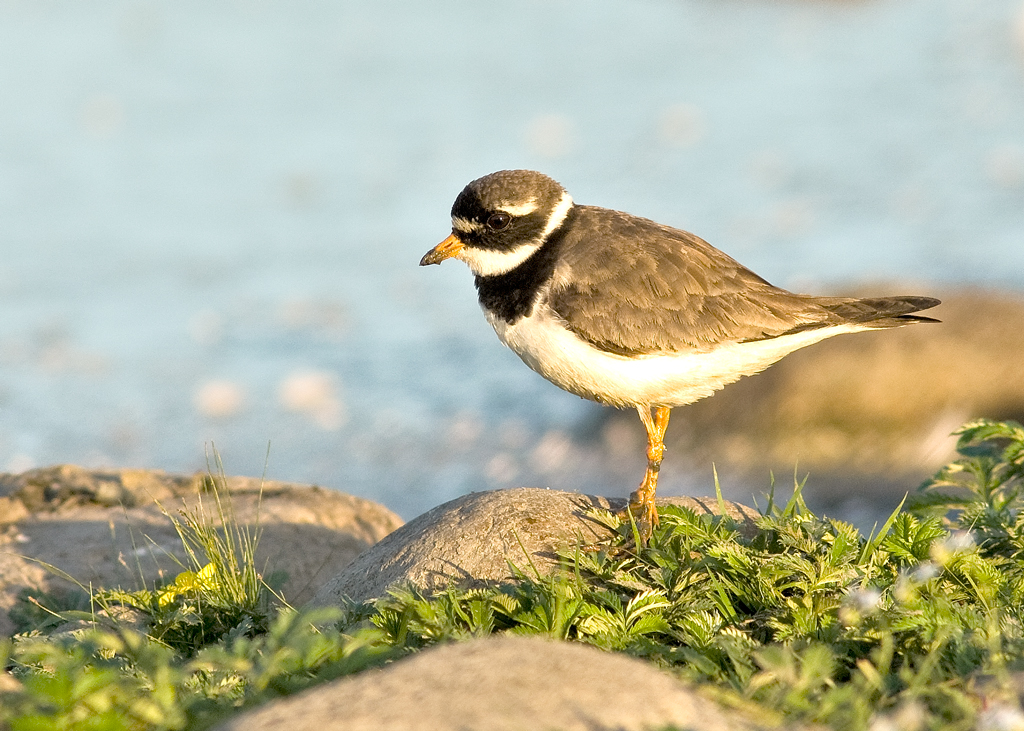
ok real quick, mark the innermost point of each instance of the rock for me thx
(12, 510)
(108, 528)
(496, 684)
(473, 538)
(117, 617)
(64, 485)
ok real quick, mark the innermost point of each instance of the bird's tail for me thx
(881, 312)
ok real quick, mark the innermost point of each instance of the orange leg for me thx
(641, 502)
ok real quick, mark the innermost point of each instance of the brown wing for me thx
(647, 288)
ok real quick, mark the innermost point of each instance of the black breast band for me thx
(511, 295)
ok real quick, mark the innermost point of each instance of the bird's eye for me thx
(499, 221)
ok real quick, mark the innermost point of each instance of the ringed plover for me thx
(628, 312)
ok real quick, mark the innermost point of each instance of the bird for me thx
(628, 312)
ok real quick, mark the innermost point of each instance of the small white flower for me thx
(1001, 717)
(960, 541)
(925, 571)
(908, 717)
(883, 723)
(866, 600)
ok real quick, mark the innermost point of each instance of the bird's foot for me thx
(641, 512)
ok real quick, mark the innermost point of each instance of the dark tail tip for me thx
(885, 311)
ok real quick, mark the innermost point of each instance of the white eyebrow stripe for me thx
(558, 214)
(522, 209)
(490, 262)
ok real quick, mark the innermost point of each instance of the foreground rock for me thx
(473, 538)
(500, 683)
(108, 528)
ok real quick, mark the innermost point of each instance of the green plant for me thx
(122, 679)
(219, 593)
(803, 614)
(98, 680)
(917, 625)
(982, 490)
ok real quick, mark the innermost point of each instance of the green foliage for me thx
(916, 626)
(219, 593)
(100, 680)
(803, 614)
(97, 679)
(984, 486)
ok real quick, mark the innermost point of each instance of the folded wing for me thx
(653, 289)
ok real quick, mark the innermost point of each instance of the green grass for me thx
(219, 593)
(915, 626)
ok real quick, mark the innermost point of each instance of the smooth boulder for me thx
(500, 683)
(110, 528)
(476, 537)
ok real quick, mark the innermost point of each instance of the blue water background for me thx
(211, 212)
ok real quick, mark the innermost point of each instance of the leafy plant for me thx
(917, 625)
(984, 486)
(219, 593)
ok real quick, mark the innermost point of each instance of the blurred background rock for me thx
(212, 214)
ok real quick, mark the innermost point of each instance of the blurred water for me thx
(211, 212)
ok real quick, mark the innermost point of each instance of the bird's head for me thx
(501, 219)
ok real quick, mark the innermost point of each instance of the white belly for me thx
(671, 379)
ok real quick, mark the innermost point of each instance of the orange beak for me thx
(448, 248)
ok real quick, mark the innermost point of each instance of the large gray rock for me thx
(473, 539)
(503, 683)
(109, 528)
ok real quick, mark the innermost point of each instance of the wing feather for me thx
(649, 288)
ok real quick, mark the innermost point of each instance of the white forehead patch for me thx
(464, 225)
(522, 209)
